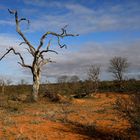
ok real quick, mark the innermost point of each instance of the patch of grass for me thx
(8, 121)
(101, 111)
(35, 122)
(22, 137)
(11, 106)
(130, 109)
(4, 129)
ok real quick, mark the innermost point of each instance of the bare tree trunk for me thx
(36, 83)
(37, 53)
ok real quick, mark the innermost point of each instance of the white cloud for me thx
(8, 40)
(8, 66)
(6, 22)
(72, 63)
(83, 19)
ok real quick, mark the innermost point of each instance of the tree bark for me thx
(37, 53)
(36, 83)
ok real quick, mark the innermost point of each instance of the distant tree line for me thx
(118, 66)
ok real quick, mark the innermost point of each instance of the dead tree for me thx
(93, 75)
(118, 66)
(37, 53)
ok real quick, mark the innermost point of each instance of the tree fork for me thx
(37, 53)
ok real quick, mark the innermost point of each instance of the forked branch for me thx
(47, 49)
(62, 35)
(22, 63)
(17, 20)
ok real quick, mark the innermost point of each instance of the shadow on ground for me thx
(91, 132)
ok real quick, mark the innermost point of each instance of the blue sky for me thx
(107, 28)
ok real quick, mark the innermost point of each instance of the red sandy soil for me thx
(83, 119)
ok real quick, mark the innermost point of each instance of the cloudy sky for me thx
(107, 28)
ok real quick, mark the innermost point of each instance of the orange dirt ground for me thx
(82, 119)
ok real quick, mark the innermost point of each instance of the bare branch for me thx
(37, 53)
(23, 65)
(24, 19)
(48, 50)
(45, 51)
(5, 54)
(12, 11)
(118, 66)
(61, 46)
(29, 51)
(22, 43)
(48, 46)
(94, 72)
(32, 49)
(64, 29)
(62, 35)
(26, 48)
(45, 61)
(20, 56)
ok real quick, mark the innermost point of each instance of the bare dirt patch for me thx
(89, 118)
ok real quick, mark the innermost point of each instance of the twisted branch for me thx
(62, 35)
(22, 63)
(61, 46)
(32, 49)
(44, 51)
(47, 49)
(36, 53)
(22, 43)
(24, 19)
